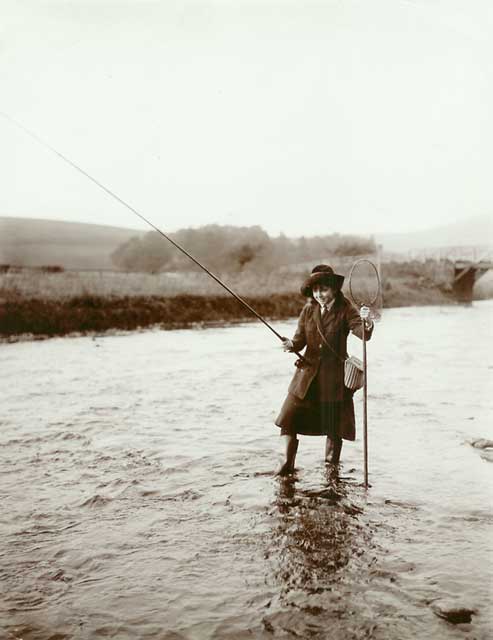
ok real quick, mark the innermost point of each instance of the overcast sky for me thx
(303, 117)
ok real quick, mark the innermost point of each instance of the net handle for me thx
(356, 300)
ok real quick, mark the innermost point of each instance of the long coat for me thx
(327, 362)
(326, 406)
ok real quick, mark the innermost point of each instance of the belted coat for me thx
(325, 358)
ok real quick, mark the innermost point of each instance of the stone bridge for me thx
(469, 263)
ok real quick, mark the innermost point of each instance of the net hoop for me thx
(357, 300)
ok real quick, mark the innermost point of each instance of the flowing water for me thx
(139, 501)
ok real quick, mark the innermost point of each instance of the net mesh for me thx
(364, 286)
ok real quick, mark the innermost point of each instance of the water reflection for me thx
(316, 533)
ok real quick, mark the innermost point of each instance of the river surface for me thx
(139, 501)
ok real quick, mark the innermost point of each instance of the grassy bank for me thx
(97, 314)
(54, 304)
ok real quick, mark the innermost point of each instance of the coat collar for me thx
(330, 314)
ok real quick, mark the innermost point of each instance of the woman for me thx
(318, 403)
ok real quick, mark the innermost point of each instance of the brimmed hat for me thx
(321, 274)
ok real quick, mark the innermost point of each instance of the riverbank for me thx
(35, 304)
(37, 318)
(99, 314)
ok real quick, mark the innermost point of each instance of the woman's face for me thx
(323, 294)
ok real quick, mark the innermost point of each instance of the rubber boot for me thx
(333, 449)
(291, 449)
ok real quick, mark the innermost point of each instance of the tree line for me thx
(232, 249)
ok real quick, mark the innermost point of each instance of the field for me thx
(31, 283)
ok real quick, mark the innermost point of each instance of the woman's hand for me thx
(364, 314)
(287, 344)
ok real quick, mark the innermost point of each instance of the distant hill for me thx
(72, 245)
(474, 231)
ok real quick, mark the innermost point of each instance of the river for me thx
(139, 501)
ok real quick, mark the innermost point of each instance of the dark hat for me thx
(322, 274)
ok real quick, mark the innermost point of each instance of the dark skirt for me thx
(310, 417)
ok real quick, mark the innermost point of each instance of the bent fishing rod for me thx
(48, 146)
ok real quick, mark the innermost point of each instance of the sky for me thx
(302, 117)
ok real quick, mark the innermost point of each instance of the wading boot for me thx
(333, 449)
(291, 450)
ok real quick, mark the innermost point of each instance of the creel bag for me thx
(354, 375)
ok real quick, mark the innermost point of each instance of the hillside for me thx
(32, 242)
(35, 242)
(474, 231)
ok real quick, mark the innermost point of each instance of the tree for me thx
(149, 253)
(228, 248)
(355, 246)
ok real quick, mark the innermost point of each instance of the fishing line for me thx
(45, 144)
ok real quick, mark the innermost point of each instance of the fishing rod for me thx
(46, 145)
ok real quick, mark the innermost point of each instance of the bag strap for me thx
(326, 343)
